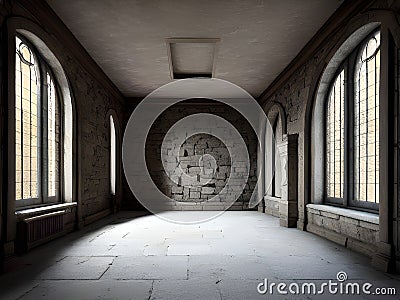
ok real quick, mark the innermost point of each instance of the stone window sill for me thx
(272, 198)
(31, 212)
(346, 212)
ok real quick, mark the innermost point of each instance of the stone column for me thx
(261, 156)
(383, 258)
(288, 212)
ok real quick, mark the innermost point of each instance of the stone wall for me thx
(357, 231)
(93, 97)
(296, 90)
(201, 155)
(193, 161)
(94, 103)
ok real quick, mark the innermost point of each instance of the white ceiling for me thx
(257, 38)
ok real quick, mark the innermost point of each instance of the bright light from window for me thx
(112, 156)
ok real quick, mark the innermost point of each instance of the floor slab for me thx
(131, 256)
(99, 289)
(78, 268)
(149, 267)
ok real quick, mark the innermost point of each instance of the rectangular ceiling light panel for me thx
(192, 57)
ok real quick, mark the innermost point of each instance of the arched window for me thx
(352, 129)
(38, 129)
(112, 156)
(366, 122)
(273, 168)
(276, 160)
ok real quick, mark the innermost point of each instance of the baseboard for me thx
(97, 216)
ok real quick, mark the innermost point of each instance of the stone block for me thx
(318, 220)
(220, 183)
(350, 230)
(313, 211)
(349, 220)
(194, 170)
(330, 215)
(207, 190)
(215, 207)
(361, 247)
(177, 189)
(368, 235)
(194, 195)
(195, 206)
(221, 176)
(369, 225)
(331, 224)
(328, 234)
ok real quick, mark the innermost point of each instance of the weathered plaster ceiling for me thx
(257, 38)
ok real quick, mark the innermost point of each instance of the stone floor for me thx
(127, 256)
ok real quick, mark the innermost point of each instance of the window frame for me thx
(348, 65)
(43, 68)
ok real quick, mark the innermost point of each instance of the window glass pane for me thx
(52, 138)
(269, 159)
(26, 118)
(277, 179)
(366, 122)
(113, 157)
(335, 139)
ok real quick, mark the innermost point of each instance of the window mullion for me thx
(375, 135)
(334, 140)
(349, 139)
(347, 94)
(22, 135)
(44, 135)
(38, 132)
(366, 127)
(30, 132)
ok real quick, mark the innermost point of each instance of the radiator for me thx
(40, 229)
